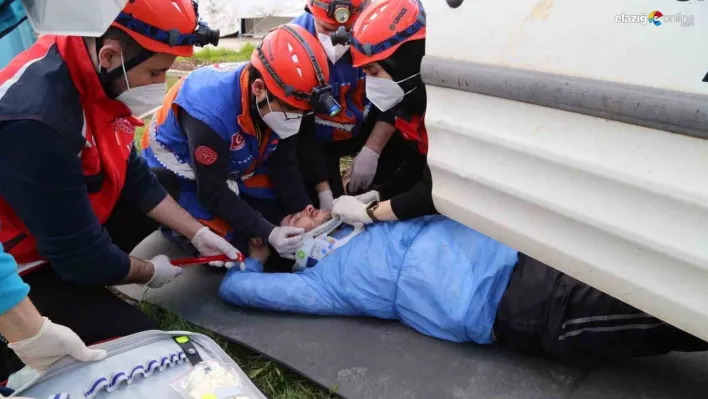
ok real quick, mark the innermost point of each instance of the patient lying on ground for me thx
(451, 282)
(307, 219)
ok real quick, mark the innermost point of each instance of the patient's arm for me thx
(284, 292)
(259, 250)
(253, 265)
(357, 279)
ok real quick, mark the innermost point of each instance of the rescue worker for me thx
(225, 138)
(74, 193)
(388, 42)
(357, 128)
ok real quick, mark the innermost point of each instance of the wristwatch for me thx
(370, 210)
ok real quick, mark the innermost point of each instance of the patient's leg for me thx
(545, 310)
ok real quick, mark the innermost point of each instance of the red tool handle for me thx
(205, 259)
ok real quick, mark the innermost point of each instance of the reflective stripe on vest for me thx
(169, 161)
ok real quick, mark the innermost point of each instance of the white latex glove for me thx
(164, 271)
(326, 200)
(51, 343)
(286, 240)
(208, 243)
(350, 210)
(363, 169)
(369, 197)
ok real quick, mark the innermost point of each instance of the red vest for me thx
(414, 130)
(108, 130)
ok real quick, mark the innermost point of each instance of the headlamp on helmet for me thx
(320, 98)
(204, 34)
(201, 36)
(323, 102)
(339, 10)
(340, 36)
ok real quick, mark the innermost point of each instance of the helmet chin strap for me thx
(106, 77)
(264, 102)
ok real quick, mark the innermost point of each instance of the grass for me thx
(213, 55)
(273, 380)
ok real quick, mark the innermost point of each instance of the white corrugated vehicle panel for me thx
(577, 38)
(619, 206)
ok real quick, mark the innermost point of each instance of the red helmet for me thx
(383, 27)
(294, 67)
(165, 26)
(337, 12)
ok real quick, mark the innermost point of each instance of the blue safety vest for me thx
(348, 87)
(218, 96)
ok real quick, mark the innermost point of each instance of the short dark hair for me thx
(253, 74)
(131, 48)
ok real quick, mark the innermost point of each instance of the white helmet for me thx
(72, 17)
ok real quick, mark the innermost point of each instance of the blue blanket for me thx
(433, 274)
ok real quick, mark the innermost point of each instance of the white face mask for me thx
(333, 52)
(72, 17)
(142, 100)
(385, 93)
(285, 124)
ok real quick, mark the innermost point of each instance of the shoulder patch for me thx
(205, 155)
(123, 125)
(237, 142)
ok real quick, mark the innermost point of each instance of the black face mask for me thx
(108, 78)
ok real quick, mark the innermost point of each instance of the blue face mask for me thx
(12, 14)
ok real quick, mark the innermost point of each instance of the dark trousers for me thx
(547, 312)
(93, 312)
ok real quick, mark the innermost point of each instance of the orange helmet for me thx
(337, 12)
(294, 67)
(165, 26)
(383, 27)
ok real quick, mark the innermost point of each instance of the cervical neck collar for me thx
(318, 243)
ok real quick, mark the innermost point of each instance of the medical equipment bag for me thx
(147, 365)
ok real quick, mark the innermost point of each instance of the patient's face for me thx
(308, 218)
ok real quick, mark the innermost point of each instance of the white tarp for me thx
(268, 8)
(260, 15)
(222, 15)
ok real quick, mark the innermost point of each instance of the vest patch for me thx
(205, 155)
(125, 126)
(237, 142)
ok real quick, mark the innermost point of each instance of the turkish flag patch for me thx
(205, 155)
(237, 142)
